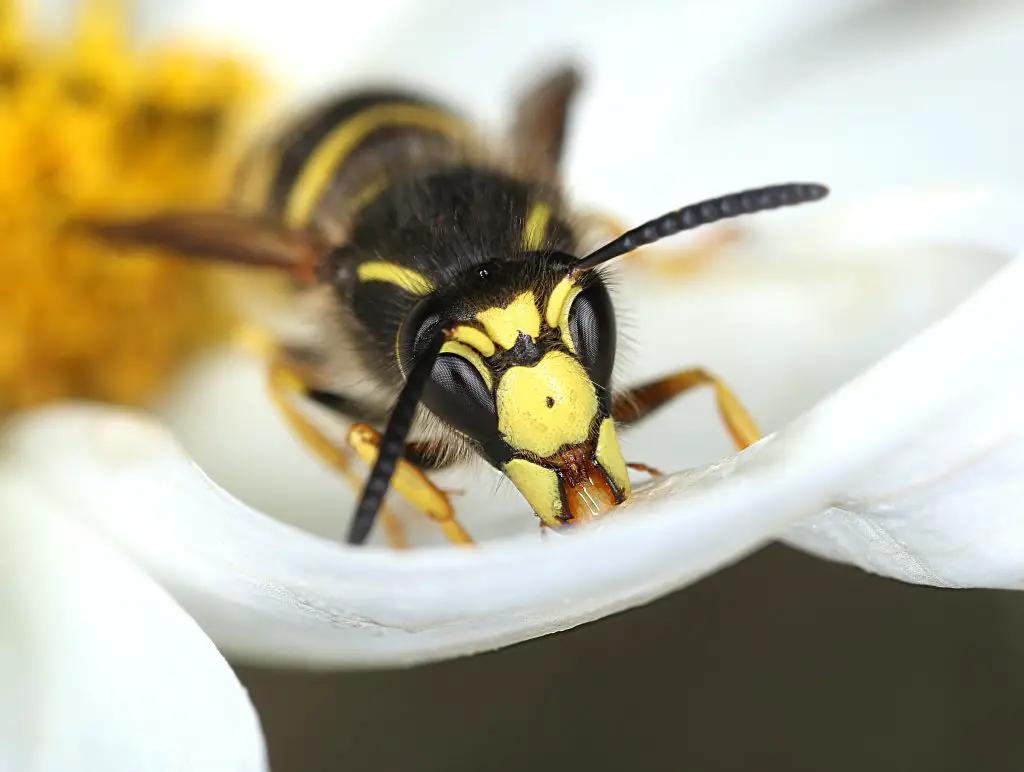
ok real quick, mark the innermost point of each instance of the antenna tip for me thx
(812, 191)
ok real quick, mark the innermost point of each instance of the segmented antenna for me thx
(392, 443)
(703, 213)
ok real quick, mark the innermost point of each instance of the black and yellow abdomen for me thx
(321, 167)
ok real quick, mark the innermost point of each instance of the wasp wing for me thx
(541, 119)
(219, 236)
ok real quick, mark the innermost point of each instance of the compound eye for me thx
(592, 330)
(458, 394)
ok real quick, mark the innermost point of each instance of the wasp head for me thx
(525, 375)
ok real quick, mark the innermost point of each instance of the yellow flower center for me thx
(89, 127)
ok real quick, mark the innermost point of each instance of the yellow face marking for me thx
(544, 407)
(609, 456)
(464, 351)
(503, 325)
(409, 280)
(536, 225)
(557, 300)
(315, 176)
(539, 487)
(563, 320)
(559, 305)
(473, 338)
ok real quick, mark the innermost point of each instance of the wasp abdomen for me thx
(338, 157)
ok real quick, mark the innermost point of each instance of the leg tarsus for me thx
(639, 402)
(645, 469)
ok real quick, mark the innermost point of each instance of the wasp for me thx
(456, 308)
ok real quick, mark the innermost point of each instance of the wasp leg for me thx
(645, 468)
(639, 402)
(681, 261)
(411, 483)
(287, 382)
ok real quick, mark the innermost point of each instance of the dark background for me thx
(783, 662)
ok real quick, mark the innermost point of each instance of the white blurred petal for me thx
(99, 669)
(688, 99)
(262, 588)
(945, 510)
(402, 36)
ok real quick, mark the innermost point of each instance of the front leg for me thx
(637, 403)
(411, 482)
(290, 379)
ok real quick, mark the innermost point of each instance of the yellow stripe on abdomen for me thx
(315, 178)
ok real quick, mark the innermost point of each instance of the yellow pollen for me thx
(92, 127)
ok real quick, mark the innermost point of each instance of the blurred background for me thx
(783, 662)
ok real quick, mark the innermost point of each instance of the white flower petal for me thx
(407, 36)
(839, 109)
(261, 587)
(945, 510)
(99, 668)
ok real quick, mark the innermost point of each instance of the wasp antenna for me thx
(392, 443)
(703, 213)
